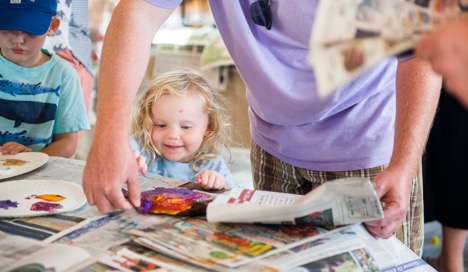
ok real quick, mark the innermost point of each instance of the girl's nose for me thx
(173, 134)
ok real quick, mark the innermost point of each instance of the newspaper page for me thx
(335, 203)
(218, 246)
(13, 248)
(51, 257)
(350, 36)
(350, 248)
(251, 247)
(46, 228)
(127, 261)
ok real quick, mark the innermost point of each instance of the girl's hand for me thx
(13, 148)
(210, 179)
(141, 162)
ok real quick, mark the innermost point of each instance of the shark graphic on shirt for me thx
(16, 88)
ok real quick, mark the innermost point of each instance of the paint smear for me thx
(45, 206)
(171, 200)
(50, 197)
(6, 204)
(14, 162)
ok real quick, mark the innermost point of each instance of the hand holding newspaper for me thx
(335, 203)
(350, 36)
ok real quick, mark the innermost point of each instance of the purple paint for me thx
(6, 204)
(31, 196)
(45, 206)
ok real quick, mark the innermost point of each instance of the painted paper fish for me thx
(173, 201)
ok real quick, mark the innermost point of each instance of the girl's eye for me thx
(160, 125)
(186, 127)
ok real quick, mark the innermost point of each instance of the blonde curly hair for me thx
(182, 83)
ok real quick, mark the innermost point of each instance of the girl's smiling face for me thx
(180, 125)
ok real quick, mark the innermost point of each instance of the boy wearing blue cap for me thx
(41, 104)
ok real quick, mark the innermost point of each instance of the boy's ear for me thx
(54, 25)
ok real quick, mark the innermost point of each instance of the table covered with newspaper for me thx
(84, 240)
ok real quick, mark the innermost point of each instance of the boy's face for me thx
(22, 48)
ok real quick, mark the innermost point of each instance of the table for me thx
(85, 240)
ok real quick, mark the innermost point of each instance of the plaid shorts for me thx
(272, 174)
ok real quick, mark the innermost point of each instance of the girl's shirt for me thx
(38, 102)
(184, 171)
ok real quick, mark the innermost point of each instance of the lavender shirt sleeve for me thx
(167, 4)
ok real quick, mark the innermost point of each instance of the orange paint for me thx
(51, 197)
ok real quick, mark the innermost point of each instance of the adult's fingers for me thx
(134, 193)
(387, 226)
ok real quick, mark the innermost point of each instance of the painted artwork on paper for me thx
(173, 201)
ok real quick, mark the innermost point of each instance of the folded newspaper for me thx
(350, 36)
(334, 203)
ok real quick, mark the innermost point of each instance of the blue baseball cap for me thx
(31, 16)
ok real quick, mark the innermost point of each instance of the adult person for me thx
(374, 126)
(446, 49)
(73, 44)
(445, 178)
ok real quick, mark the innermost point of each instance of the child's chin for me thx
(176, 159)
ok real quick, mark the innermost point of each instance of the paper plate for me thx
(39, 197)
(21, 163)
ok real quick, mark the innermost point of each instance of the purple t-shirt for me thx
(351, 129)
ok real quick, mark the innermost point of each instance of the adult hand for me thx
(111, 164)
(446, 49)
(12, 148)
(393, 189)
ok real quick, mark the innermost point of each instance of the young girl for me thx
(180, 127)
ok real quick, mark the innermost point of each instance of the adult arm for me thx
(417, 93)
(447, 50)
(111, 163)
(63, 145)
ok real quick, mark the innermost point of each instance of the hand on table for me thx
(13, 148)
(210, 179)
(393, 190)
(111, 164)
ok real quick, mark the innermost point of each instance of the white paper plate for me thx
(31, 161)
(24, 191)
